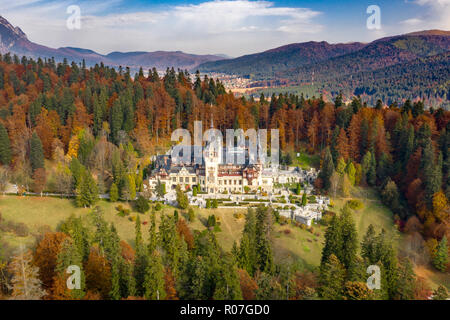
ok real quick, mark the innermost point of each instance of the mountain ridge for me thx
(14, 40)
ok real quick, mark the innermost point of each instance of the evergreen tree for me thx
(87, 195)
(263, 226)
(298, 189)
(304, 199)
(331, 280)
(152, 243)
(406, 280)
(182, 198)
(327, 169)
(333, 240)
(5, 146)
(349, 242)
(227, 286)
(441, 256)
(154, 284)
(69, 255)
(368, 246)
(440, 293)
(36, 152)
(113, 193)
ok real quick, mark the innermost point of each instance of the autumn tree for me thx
(46, 255)
(25, 281)
(98, 273)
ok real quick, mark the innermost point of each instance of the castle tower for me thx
(212, 156)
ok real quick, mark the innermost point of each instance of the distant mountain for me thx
(160, 59)
(281, 59)
(378, 54)
(410, 66)
(14, 40)
(299, 60)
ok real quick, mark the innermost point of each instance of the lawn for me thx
(373, 212)
(297, 244)
(36, 212)
(305, 161)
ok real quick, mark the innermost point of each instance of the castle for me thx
(216, 173)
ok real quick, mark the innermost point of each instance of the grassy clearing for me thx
(36, 212)
(305, 161)
(297, 245)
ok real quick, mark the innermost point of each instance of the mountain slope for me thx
(281, 59)
(14, 40)
(299, 61)
(376, 55)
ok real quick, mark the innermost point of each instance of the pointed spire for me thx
(212, 116)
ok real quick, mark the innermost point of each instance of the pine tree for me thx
(406, 280)
(327, 169)
(127, 280)
(87, 195)
(298, 189)
(113, 193)
(152, 243)
(69, 255)
(440, 293)
(368, 245)
(304, 199)
(441, 257)
(154, 284)
(349, 241)
(264, 257)
(36, 152)
(182, 199)
(331, 280)
(333, 240)
(227, 286)
(5, 146)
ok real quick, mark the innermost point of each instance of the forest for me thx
(73, 130)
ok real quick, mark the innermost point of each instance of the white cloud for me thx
(226, 26)
(435, 15)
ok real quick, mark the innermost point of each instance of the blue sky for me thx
(232, 27)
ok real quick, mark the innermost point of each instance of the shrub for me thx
(211, 222)
(158, 206)
(191, 214)
(355, 204)
(238, 215)
(287, 231)
(19, 229)
(142, 204)
(121, 211)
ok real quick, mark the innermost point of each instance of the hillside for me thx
(379, 54)
(280, 59)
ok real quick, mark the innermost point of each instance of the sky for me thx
(231, 27)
